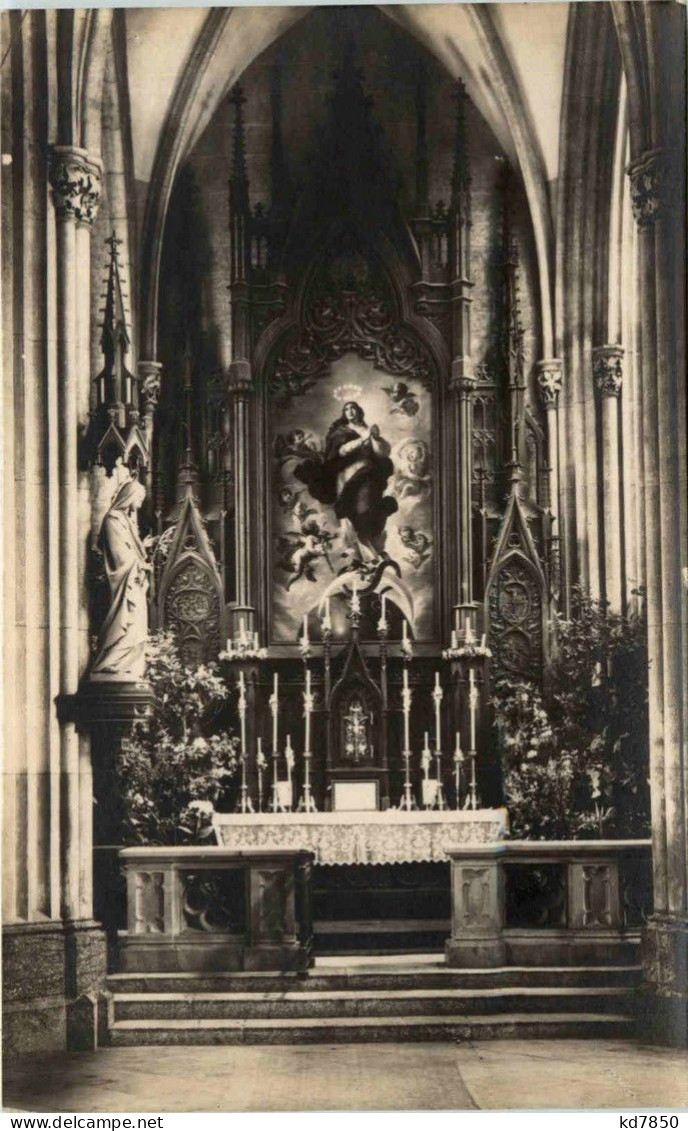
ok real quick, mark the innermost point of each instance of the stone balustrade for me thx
(548, 903)
(193, 909)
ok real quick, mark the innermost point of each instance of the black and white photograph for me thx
(345, 559)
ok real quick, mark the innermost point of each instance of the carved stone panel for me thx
(476, 911)
(214, 901)
(273, 904)
(149, 903)
(594, 895)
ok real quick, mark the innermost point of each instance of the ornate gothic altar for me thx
(354, 517)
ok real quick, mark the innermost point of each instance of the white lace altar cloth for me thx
(389, 837)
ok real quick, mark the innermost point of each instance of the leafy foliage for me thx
(177, 761)
(575, 753)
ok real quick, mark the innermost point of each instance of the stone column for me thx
(76, 188)
(657, 205)
(239, 392)
(607, 369)
(549, 379)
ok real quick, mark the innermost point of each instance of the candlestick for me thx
(473, 789)
(406, 704)
(242, 710)
(382, 623)
(425, 767)
(245, 805)
(472, 703)
(440, 801)
(260, 763)
(307, 708)
(458, 768)
(437, 696)
(274, 708)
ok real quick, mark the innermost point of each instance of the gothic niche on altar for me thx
(353, 491)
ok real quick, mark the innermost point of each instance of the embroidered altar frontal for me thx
(389, 837)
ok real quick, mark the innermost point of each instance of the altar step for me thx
(365, 1004)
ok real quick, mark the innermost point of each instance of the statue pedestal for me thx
(107, 703)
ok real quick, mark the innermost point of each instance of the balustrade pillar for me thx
(549, 379)
(607, 362)
(658, 212)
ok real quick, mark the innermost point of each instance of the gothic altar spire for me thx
(115, 382)
(513, 335)
(114, 434)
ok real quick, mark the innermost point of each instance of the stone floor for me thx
(490, 1075)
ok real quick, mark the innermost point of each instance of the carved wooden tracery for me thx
(349, 307)
(516, 619)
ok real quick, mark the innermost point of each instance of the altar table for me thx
(389, 837)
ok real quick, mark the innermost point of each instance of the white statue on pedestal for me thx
(121, 646)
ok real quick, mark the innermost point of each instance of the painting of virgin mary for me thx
(352, 476)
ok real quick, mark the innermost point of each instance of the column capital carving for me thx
(239, 379)
(149, 378)
(462, 380)
(653, 179)
(550, 380)
(76, 182)
(607, 370)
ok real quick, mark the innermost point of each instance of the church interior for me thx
(344, 483)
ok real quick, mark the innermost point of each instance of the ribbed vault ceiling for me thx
(530, 38)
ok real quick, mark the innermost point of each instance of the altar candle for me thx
(404, 633)
(355, 603)
(255, 641)
(289, 756)
(275, 685)
(438, 700)
(458, 756)
(229, 645)
(305, 629)
(242, 712)
(326, 621)
(483, 640)
(307, 708)
(472, 705)
(469, 630)
(426, 746)
(454, 639)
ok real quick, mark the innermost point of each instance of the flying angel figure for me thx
(300, 551)
(403, 398)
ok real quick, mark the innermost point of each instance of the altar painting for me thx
(353, 501)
